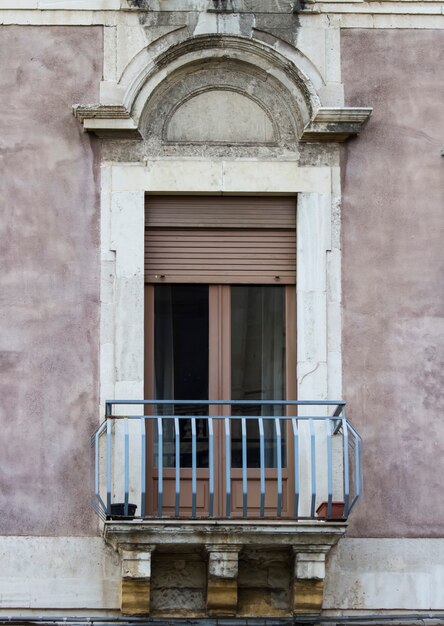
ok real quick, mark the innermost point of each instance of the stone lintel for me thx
(335, 124)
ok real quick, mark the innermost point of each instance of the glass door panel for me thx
(228, 342)
(258, 366)
(181, 366)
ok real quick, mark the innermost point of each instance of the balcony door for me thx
(222, 330)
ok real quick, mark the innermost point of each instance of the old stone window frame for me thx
(122, 262)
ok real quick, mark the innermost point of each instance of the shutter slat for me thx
(220, 212)
(220, 240)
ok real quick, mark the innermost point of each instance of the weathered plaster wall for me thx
(49, 295)
(393, 268)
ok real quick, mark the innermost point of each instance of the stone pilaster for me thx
(308, 582)
(223, 566)
(136, 580)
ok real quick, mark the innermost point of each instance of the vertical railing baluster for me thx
(211, 465)
(313, 468)
(227, 466)
(96, 465)
(262, 464)
(346, 465)
(279, 465)
(193, 467)
(108, 467)
(177, 465)
(296, 466)
(244, 467)
(159, 466)
(97, 436)
(142, 467)
(126, 464)
(357, 465)
(329, 468)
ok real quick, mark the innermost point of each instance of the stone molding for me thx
(107, 120)
(335, 124)
(307, 537)
(329, 124)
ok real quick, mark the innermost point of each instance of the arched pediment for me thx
(273, 100)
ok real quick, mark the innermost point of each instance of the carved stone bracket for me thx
(335, 124)
(107, 120)
(223, 566)
(308, 579)
(136, 579)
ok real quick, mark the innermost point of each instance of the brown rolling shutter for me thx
(220, 239)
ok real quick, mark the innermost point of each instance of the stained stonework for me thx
(308, 596)
(178, 583)
(135, 599)
(264, 583)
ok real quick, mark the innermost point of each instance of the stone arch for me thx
(250, 68)
(257, 91)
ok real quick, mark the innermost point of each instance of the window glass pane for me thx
(257, 366)
(181, 366)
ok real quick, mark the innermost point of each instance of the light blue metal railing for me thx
(319, 456)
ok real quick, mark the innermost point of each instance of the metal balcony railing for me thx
(250, 459)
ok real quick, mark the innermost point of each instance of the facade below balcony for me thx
(224, 508)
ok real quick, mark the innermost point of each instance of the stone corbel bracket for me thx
(335, 124)
(107, 121)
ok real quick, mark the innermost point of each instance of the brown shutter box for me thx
(203, 239)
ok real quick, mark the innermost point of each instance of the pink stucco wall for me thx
(393, 277)
(49, 279)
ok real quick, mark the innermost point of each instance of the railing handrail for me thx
(243, 402)
(221, 417)
(338, 404)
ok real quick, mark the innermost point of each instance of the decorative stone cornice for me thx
(107, 120)
(307, 536)
(329, 124)
(335, 124)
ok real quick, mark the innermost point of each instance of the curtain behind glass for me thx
(257, 365)
(181, 365)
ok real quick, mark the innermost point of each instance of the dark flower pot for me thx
(118, 511)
